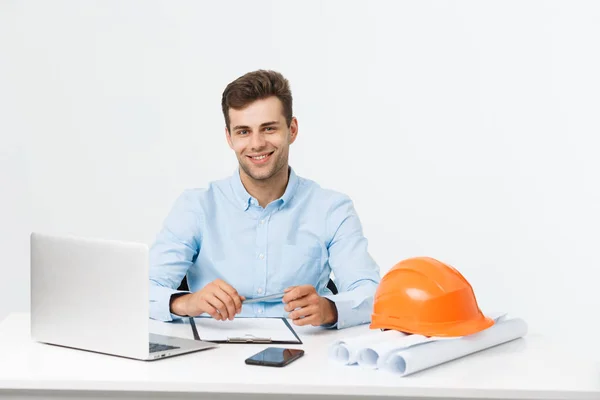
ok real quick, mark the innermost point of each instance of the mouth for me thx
(260, 158)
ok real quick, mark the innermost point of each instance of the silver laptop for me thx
(93, 294)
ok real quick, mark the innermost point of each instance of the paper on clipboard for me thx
(246, 330)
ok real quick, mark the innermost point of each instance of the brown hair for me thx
(254, 86)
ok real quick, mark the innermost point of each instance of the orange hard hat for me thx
(424, 296)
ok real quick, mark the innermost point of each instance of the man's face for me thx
(260, 137)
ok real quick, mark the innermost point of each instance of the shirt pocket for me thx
(300, 264)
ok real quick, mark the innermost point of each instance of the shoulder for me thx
(197, 199)
(191, 198)
(331, 207)
(327, 198)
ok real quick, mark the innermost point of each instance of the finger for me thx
(304, 312)
(294, 304)
(217, 303)
(305, 290)
(308, 296)
(234, 296)
(297, 292)
(228, 301)
(210, 310)
(312, 320)
(288, 297)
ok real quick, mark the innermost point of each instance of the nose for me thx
(257, 141)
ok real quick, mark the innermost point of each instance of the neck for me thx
(267, 190)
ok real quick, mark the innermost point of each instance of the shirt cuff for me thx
(350, 312)
(160, 303)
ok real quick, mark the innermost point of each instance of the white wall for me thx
(466, 131)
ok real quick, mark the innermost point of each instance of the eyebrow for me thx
(264, 124)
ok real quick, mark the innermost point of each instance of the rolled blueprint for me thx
(346, 351)
(369, 356)
(370, 352)
(417, 358)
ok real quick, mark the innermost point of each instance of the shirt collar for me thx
(245, 199)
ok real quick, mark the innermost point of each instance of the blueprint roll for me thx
(346, 351)
(369, 356)
(426, 355)
(371, 353)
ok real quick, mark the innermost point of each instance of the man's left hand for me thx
(307, 307)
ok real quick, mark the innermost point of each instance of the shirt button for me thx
(260, 311)
(261, 256)
(262, 221)
(259, 290)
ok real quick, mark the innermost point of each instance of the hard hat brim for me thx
(454, 329)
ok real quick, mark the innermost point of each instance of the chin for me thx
(260, 176)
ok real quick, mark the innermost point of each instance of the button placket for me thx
(261, 270)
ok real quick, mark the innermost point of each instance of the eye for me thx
(270, 129)
(242, 132)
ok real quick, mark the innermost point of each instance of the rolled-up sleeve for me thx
(356, 272)
(173, 252)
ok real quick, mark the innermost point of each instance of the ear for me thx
(293, 130)
(228, 137)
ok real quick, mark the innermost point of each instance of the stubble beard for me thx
(263, 176)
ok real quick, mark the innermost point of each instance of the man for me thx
(263, 230)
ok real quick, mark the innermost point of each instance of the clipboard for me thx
(238, 337)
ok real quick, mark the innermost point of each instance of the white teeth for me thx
(260, 157)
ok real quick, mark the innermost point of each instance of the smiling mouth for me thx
(261, 157)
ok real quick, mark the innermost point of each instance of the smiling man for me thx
(264, 230)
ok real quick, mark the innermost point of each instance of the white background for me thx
(466, 131)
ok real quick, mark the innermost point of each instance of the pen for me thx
(264, 298)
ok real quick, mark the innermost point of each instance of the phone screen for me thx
(275, 356)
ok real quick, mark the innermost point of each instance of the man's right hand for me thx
(218, 299)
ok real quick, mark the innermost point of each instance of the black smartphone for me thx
(275, 357)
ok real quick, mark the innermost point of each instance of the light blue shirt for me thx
(222, 232)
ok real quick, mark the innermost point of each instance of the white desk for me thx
(530, 368)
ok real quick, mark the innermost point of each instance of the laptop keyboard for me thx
(154, 347)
